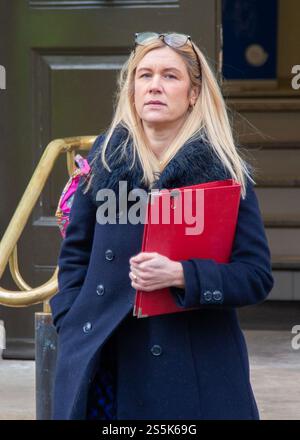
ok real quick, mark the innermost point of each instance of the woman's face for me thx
(162, 88)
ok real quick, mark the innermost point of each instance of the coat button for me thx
(156, 350)
(217, 295)
(207, 295)
(87, 327)
(109, 255)
(100, 289)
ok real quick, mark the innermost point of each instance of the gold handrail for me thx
(8, 245)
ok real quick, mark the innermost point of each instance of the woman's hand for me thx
(150, 271)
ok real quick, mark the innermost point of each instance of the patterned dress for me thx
(102, 393)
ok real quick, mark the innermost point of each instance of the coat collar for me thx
(194, 163)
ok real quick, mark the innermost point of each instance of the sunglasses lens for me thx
(145, 37)
(176, 40)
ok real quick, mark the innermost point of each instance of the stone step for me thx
(275, 166)
(279, 203)
(279, 222)
(286, 262)
(277, 182)
(284, 241)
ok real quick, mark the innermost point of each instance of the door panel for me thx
(61, 60)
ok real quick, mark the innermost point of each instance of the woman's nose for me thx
(155, 84)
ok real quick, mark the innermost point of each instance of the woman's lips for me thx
(157, 104)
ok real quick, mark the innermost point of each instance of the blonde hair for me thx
(207, 118)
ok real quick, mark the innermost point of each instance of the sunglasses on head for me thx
(170, 39)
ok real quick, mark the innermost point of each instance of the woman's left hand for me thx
(151, 270)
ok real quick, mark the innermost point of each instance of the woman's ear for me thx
(194, 95)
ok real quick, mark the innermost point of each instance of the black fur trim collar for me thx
(194, 163)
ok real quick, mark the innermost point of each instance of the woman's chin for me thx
(155, 119)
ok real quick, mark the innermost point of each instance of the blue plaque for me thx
(250, 39)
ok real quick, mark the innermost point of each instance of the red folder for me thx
(197, 221)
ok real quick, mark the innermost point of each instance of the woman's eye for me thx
(148, 75)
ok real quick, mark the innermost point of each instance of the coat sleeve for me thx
(247, 279)
(75, 250)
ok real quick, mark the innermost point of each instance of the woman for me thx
(170, 129)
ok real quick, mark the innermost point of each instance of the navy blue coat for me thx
(200, 369)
